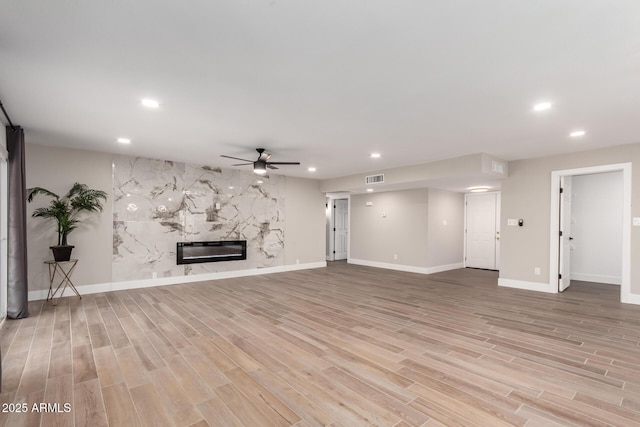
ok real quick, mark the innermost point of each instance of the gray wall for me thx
(304, 221)
(402, 232)
(445, 243)
(58, 168)
(526, 194)
(414, 227)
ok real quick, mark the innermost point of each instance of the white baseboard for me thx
(164, 281)
(406, 268)
(632, 299)
(521, 284)
(597, 278)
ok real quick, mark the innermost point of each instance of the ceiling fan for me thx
(260, 166)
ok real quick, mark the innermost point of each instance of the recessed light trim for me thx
(124, 140)
(369, 190)
(542, 106)
(375, 155)
(312, 169)
(577, 133)
(150, 103)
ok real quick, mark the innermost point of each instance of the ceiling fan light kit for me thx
(260, 165)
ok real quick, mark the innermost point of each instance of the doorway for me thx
(337, 234)
(340, 229)
(482, 230)
(561, 223)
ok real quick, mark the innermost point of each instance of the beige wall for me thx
(526, 195)
(304, 213)
(445, 243)
(424, 227)
(57, 169)
(402, 232)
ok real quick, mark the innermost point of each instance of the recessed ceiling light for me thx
(542, 106)
(311, 169)
(375, 155)
(260, 181)
(231, 188)
(150, 103)
(478, 189)
(370, 190)
(124, 140)
(577, 133)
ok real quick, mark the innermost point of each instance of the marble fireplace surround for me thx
(159, 203)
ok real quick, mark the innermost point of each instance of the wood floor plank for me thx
(34, 376)
(59, 392)
(119, 406)
(61, 362)
(218, 414)
(88, 406)
(179, 407)
(132, 368)
(340, 346)
(151, 409)
(84, 367)
(279, 413)
(109, 372)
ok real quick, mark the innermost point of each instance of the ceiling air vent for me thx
(374, 179)
(497, 167)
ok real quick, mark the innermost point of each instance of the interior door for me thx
(341, 228)
(564, 279)
(481, 230)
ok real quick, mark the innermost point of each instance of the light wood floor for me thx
(341, 346)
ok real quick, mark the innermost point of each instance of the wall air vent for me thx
(374, 179)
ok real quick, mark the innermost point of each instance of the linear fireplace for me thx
(215, 251)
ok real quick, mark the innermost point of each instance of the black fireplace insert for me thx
(214, 251)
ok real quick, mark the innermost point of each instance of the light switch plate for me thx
(636, 222)
(512, 222)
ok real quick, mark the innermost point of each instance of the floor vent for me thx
(374, 179)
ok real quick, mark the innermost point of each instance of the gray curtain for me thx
(17, 287)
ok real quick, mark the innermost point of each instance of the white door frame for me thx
(464, 237)
(330, 255)
(554, 234)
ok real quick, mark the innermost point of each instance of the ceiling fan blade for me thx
(284, 163)
(270, 166)
(236, 158)
(242, 164)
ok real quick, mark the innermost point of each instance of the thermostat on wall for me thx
(368, 204)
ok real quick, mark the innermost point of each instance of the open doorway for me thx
(564, 227)
(337, 228)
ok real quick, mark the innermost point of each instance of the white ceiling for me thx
(323, 82)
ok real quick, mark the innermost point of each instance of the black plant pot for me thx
(62, 253)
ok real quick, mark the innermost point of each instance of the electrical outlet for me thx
(154, 275)
(536, 271)
(297, 261)
(395, 256)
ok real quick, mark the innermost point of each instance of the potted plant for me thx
(65, 210)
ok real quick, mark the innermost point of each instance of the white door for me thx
(341, 228)
(482, 230)
(564, 277)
